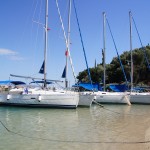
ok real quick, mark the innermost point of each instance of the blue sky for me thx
(21, 40)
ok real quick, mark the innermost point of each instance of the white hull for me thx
(140, 98)
(112, 97)
(86, 99)
(3, 96)
(52, 99)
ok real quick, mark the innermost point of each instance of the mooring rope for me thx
(75, 141)
(102, 106)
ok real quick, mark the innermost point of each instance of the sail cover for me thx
(118, 88)
(6, 82)
(89, 87)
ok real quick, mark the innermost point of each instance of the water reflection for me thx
(111, 127)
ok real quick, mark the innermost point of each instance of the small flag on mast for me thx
(42, 68)
(64, 73)
(66, 53)
(48, 29)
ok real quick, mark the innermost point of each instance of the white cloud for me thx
(7, 52)
(16, 57)
(12, 55)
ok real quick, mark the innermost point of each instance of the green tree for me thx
(114, 73)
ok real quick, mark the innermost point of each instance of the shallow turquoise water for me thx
(115, 127)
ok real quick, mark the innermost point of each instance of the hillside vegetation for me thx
(114, 73)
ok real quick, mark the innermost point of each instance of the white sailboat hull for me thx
(57, 100)
(112, 97)
(3, 96)
(140, 98)
(86, 99)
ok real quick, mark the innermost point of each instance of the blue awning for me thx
(6, 82)
(118, 87)
(89, 86)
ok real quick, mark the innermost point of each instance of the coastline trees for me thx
(114, 72)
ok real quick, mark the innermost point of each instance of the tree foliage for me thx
(114, 73)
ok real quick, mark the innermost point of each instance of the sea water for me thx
(112, 127)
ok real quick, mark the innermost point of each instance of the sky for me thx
(22, 39)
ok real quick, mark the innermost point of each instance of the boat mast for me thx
(68, 44)
(104, 50)
(130, 18)
(65, 36)
(46, 41)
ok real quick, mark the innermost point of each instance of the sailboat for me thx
(85, 98)
(135, 97)
(110, 97)
(42, 96)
